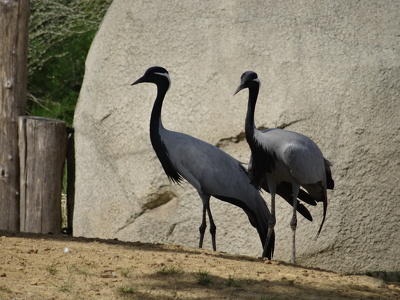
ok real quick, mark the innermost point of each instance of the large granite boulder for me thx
(330, 71)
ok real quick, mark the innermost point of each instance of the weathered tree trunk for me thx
(14, 17)
(43, 146)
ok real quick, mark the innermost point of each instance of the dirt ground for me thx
(60, 267)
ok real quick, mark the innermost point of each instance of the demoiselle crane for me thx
(211, 171)
(281, 158)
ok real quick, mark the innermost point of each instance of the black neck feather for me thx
(155, 136)
(263, 160)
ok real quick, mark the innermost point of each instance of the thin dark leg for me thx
(293, 222)
(213, 229)
(203, 227)
(272, 220)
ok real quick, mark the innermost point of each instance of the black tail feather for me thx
(330, 184)
(284, 190)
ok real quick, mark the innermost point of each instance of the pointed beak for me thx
(140, 80)
(240, 87)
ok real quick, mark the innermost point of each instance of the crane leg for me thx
(213, 229)
(272, 220)
(203, 227)
(293, 222)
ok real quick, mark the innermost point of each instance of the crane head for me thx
(154, 75)
(247, 79)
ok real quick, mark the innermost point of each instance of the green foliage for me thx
(231, 282)
(125, 272)
(204, 278)
(52, 269)
(77, 270)
(127, 289)
(60, 34)
(66, 288)
(4, 288)
(170, 271)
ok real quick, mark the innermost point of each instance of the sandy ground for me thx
(60, 267)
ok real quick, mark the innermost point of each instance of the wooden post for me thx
(70, 180)
(14, 17)
(43, 146)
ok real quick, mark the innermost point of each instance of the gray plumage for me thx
(281, 157)
(211, 171)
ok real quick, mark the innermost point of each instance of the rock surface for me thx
(330, 71)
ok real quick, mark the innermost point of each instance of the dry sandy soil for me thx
(60, 267)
